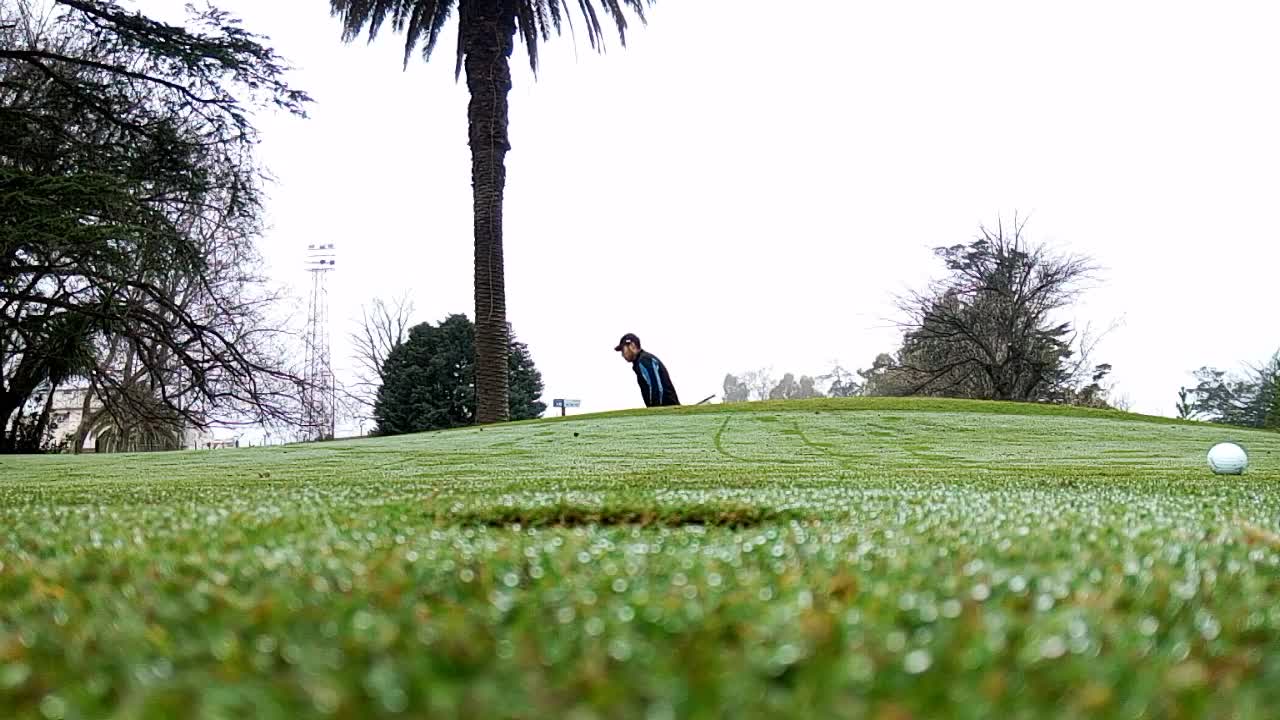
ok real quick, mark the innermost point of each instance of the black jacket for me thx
(655, 383)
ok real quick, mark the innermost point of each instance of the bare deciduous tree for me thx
(840, 382)
(760, 381)
(382, 327)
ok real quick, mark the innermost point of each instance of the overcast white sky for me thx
(748, 183)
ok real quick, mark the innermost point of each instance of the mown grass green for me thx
(874, 558)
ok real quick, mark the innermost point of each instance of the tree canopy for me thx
(991, 328)
(429, 380)
(130, 203)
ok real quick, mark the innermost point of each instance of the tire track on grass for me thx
(719, 441)
(824, 448)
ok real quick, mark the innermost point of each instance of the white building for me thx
(68, 411)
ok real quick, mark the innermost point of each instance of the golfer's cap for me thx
(628, 338)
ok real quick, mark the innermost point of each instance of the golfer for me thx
(651, 374)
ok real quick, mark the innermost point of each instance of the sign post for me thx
(565, 404)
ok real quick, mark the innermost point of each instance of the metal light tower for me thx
(318, 406)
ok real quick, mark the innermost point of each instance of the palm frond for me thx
(540, 19)
(536, 20)
(594, 34)
(532, 26)
(134, 419)
(377, 13)
(415, 18)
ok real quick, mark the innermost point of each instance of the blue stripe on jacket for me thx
(645, 374)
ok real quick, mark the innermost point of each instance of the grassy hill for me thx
(886, 558)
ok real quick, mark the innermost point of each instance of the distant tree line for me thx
(1248, 399)
(760, 385)
(990, 328)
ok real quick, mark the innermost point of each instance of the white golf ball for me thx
(1227, 459)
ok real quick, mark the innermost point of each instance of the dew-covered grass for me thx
(882, 559)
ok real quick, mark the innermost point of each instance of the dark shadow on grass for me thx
(729, 516)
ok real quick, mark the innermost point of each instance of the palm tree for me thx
(486, 38)
(133, 418)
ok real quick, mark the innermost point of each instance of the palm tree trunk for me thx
(488, 37)
(43, 423)
(87, 418)
(9, 438)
